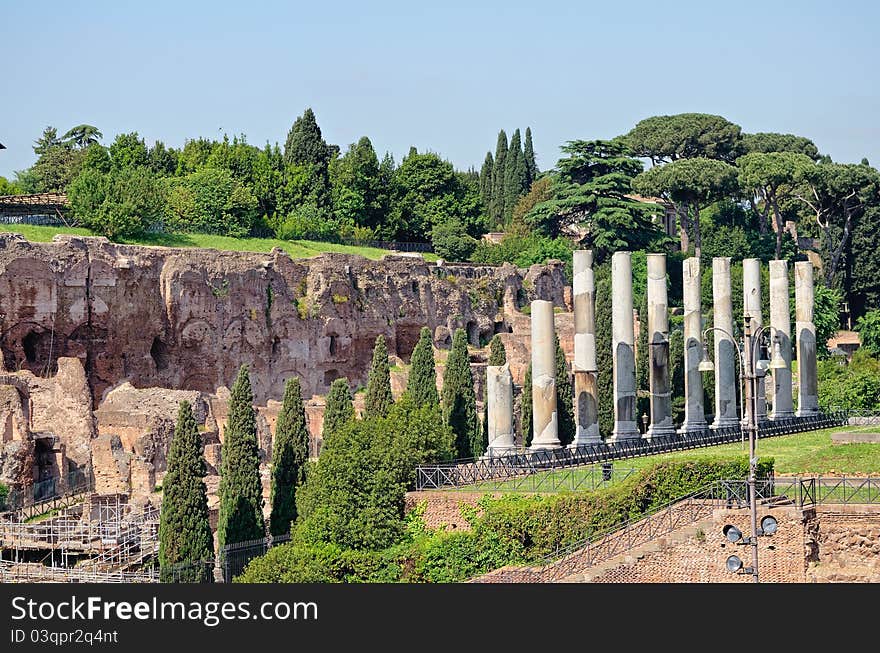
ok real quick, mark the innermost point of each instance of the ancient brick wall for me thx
(848, 539)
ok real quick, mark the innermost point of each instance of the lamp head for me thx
(732, 533)
(706, 364)
(734, 564)
(768, 525)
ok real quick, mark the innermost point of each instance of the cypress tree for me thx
(604, 357)
(486, 173)
(496, 211)
(529, 154)
(290, 452)
(421, 385)
(526, 424)
(497, 352)
(497, 356)
(306, 147)
(459, 402)
(186, 545)
(379, 398)
(643, 392)
(339, 410)
(515, 176)
(564, 398)
(676, 372)
(241, 493)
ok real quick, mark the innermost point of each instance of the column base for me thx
(807, 412)
(543, 446)
(725, 422)
(778, 416)
(499, 452)
(588, 441)
(625, 431)
(660, 432)
(692, 427)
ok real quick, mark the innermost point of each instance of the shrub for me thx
(451, 242)
(4, 495)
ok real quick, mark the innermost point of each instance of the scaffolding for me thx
(104, 539)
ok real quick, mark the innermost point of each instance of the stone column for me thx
(658, 349)
(726, 353)
(752, 308)
(499, 410)
(694, 416)
(623, 352)
(546, 430)
(585, 388)
(780, 320)
(805, 332)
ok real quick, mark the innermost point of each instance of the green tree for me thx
(451, 242)
(604, 347)
(211, 200)
(486, 175)
(769, 180)
(771, 142)
(308, 157)
(9, 187)
(864, 264)
(458, 399)
(868, 328)
(339, 409)
(497, 208)
(82, 136)
(826, 316)
(691, 184)
(516, 174)
(379, 398)
(358, 196)
(48, 140)
(129, 151)
(663, 139)
(290, 453)
(642, 362)
(421, 385)
(527, 425)
(531, 164)
(497, 352)
(241, 493)
(564, 398)
(186, 545)
(590, 190)
(118, 203)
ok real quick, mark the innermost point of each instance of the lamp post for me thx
(753, 370)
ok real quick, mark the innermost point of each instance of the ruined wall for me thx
(847, 545)
(187, 318)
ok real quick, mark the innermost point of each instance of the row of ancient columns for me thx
(726, 353)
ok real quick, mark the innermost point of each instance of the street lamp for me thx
(751, 370)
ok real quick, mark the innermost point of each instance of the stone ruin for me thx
(100, 342)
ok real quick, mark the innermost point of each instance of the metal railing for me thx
(795, 491)
(510, 466)
(42, 496)
(234, 558)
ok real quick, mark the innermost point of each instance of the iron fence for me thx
(566, 479)
(75, 482)
(523, 462)
(234, 558)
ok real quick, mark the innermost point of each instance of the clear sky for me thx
(444, 76)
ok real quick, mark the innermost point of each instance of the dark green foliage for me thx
(826, 316)
(459, 401)
(685, 136)
(524, 251)
(354, 496)
(676, 371)
(4, 494)
(118, 203)
(307, 158)
(359, 195)
(529, 154)
(853, 386)
(591, 188)
(770, 142)
(186, 545)
(868, 328)
(497, 208)
(864, 264)
(451, 241)
(604, 350)
(497, 352)
(564, 398)
(379, 398)
(290, 452)
(241, 493)
(421, 385)
(487, 173)
(516, 176)
(211, 200)
(527, 424)
(339, 410)
(643, 398)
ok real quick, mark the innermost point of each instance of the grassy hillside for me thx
(296, 248)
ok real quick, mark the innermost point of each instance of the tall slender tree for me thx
(379, 398)
(459, 402)
(421, 385)
(486, 174)
(496, 211)
(186, 545)
(564, 398)
(531, 164)
(526, 424)
(290, 452)
(604, 357)
(515, 175)
(339, 410)
(309, 156)
(241, 493)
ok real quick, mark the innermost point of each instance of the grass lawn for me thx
(296, 248)
(803, 454)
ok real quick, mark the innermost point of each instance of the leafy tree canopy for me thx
(685, 136)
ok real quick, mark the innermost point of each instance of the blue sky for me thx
(445, 76)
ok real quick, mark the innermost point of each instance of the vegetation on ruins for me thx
(186, 544)
(511, 529)
(290, 453)
(338, 409)
(458, 400)
(241, 493)
(379, 399)
(421, 384)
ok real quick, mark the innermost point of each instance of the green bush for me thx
(868, 327)
(451, 242)
(524, 251)
(853, 386)
(4, 495)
